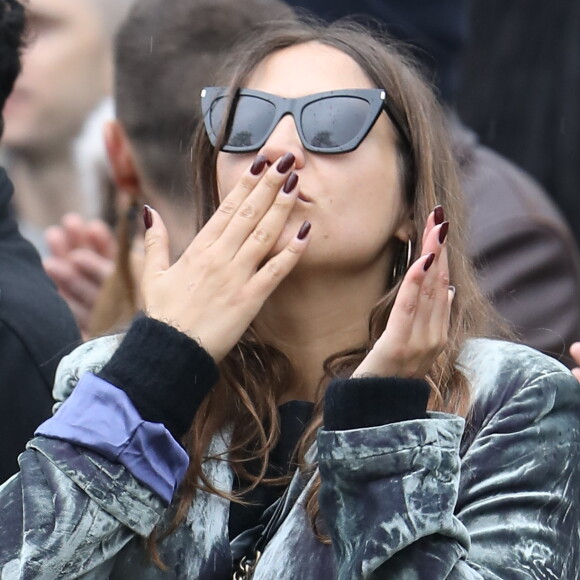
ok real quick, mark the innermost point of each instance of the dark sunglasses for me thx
(329, 122)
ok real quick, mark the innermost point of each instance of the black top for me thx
(36, 330)
(294, 416)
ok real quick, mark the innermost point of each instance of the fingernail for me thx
(439, 215)
(290, 182)
(452, 288)
(429, 261)
(258, 165)
(285, 163)
(443, 232)
(147, 217)
(304, 230)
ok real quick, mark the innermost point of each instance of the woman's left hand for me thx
(416, 332)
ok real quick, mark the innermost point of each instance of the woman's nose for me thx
(284, 139)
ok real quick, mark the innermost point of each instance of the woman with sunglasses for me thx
(307, 395)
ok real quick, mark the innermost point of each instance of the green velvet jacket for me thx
(496, 497)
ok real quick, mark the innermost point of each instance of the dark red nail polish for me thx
(147, 217)
(439, 215)
(285, 163)
(443, 232)
(429, 261)
(304, 230)
(290, 182)
(258, 165)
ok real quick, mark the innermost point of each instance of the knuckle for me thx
(429, 293)
(247, 211)
(415, 278)
(409, 308)
(247, 184)
(282, 203)
(210, 263)
(150, 242)
(444, 279)
(261, 235)
(272, 181)
(398, 353)
(227, 207)
(274, 268)
(237, 299)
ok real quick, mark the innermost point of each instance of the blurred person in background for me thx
(36, 326)
(520, 88)
(149, 146)
(527, 260)
(66, 78)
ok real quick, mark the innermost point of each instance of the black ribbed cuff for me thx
(374, 401)
(166, 374)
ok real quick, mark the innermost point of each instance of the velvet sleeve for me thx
(429, 499)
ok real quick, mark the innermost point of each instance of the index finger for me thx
(228, 207)
(400, 323)
(436, 217)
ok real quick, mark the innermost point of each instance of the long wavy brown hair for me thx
(254, 375)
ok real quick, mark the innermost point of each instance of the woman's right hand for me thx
(219, 284)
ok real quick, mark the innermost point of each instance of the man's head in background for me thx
(66, 71)
(12, 24)
(165, 54)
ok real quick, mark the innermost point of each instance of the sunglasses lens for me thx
(249, 125)
(334, 121)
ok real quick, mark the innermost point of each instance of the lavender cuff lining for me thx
(101, 417)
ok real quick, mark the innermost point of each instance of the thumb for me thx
(156, 257)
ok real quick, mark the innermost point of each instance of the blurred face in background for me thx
(66, 71)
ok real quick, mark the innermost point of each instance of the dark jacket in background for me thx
(525, 255)
(519, 90)
(36, 330)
